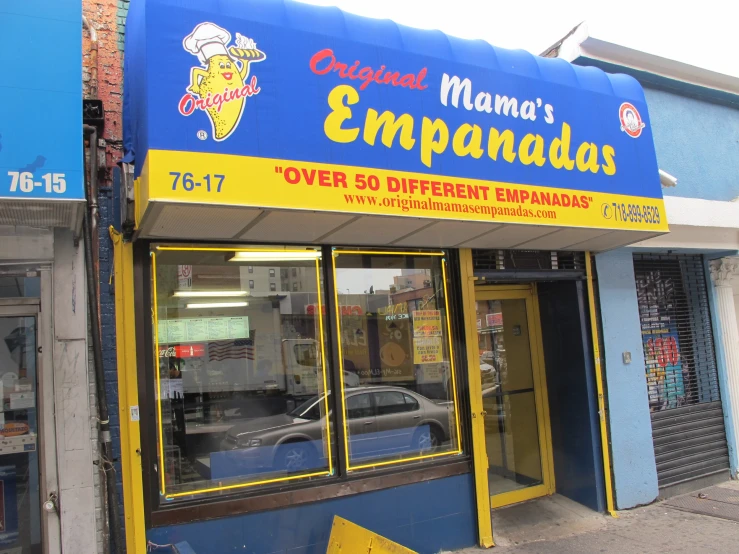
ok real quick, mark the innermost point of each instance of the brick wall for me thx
(121, 20)
(107, 17)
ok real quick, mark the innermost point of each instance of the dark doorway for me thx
(573, 407)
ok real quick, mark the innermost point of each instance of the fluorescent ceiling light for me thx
(275, 256)
(217, 305)
(209, 293)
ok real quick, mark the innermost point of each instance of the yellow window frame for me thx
(458, 449)
(160, 427)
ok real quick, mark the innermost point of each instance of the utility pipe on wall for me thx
(106, 450)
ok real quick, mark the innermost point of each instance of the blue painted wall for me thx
(695, 130)
(697, 142)
(634, 468)
(426, 517)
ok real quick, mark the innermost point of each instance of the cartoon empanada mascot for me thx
(226, 70)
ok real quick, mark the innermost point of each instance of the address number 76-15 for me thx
(50, 182)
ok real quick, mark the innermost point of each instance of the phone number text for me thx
(635, 213)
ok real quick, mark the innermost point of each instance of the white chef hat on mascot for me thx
(207, 40)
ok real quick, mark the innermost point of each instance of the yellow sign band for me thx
(222, 179)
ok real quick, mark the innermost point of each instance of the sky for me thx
(698, 33)
(358, 281)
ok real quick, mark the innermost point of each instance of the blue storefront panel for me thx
(41, 100)
(425, 517)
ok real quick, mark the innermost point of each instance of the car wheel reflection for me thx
(296, 456)
(427, 440)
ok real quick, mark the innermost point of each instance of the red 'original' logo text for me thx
(189, 102)
(324, 62)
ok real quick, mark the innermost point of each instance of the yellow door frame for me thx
(528, 294)
(128, 402)
(479, 453)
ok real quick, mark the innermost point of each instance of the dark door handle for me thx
(416, 417)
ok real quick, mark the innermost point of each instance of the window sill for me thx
(214, 508)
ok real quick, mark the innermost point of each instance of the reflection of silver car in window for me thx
(351, 379)
(382, 421)
(488, 372)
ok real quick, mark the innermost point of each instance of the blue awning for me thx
(283, 83)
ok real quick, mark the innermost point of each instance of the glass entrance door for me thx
(515, 411)
(20, 483)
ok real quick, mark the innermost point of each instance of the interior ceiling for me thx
(166, 220)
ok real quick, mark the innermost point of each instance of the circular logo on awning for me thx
(631, 122)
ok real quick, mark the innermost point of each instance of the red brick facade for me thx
(107, 17)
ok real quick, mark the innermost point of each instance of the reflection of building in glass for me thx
(263, 277)
(255, 278)
(412, 279)
(297, 279)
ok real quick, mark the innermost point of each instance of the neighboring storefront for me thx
(682, 374)
(47, 476)
(666, 303)
(353, 277)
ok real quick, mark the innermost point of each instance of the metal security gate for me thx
(682, 378)
(527, 265)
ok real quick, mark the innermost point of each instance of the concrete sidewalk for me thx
(672, 526)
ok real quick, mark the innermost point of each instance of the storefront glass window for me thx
(398, 383)
(27, 285)
(20, 479)
(242, 370)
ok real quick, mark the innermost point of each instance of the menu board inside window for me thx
(203, 328)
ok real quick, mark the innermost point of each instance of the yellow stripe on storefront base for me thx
(133, 488)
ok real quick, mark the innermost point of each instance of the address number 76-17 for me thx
(49, 183)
